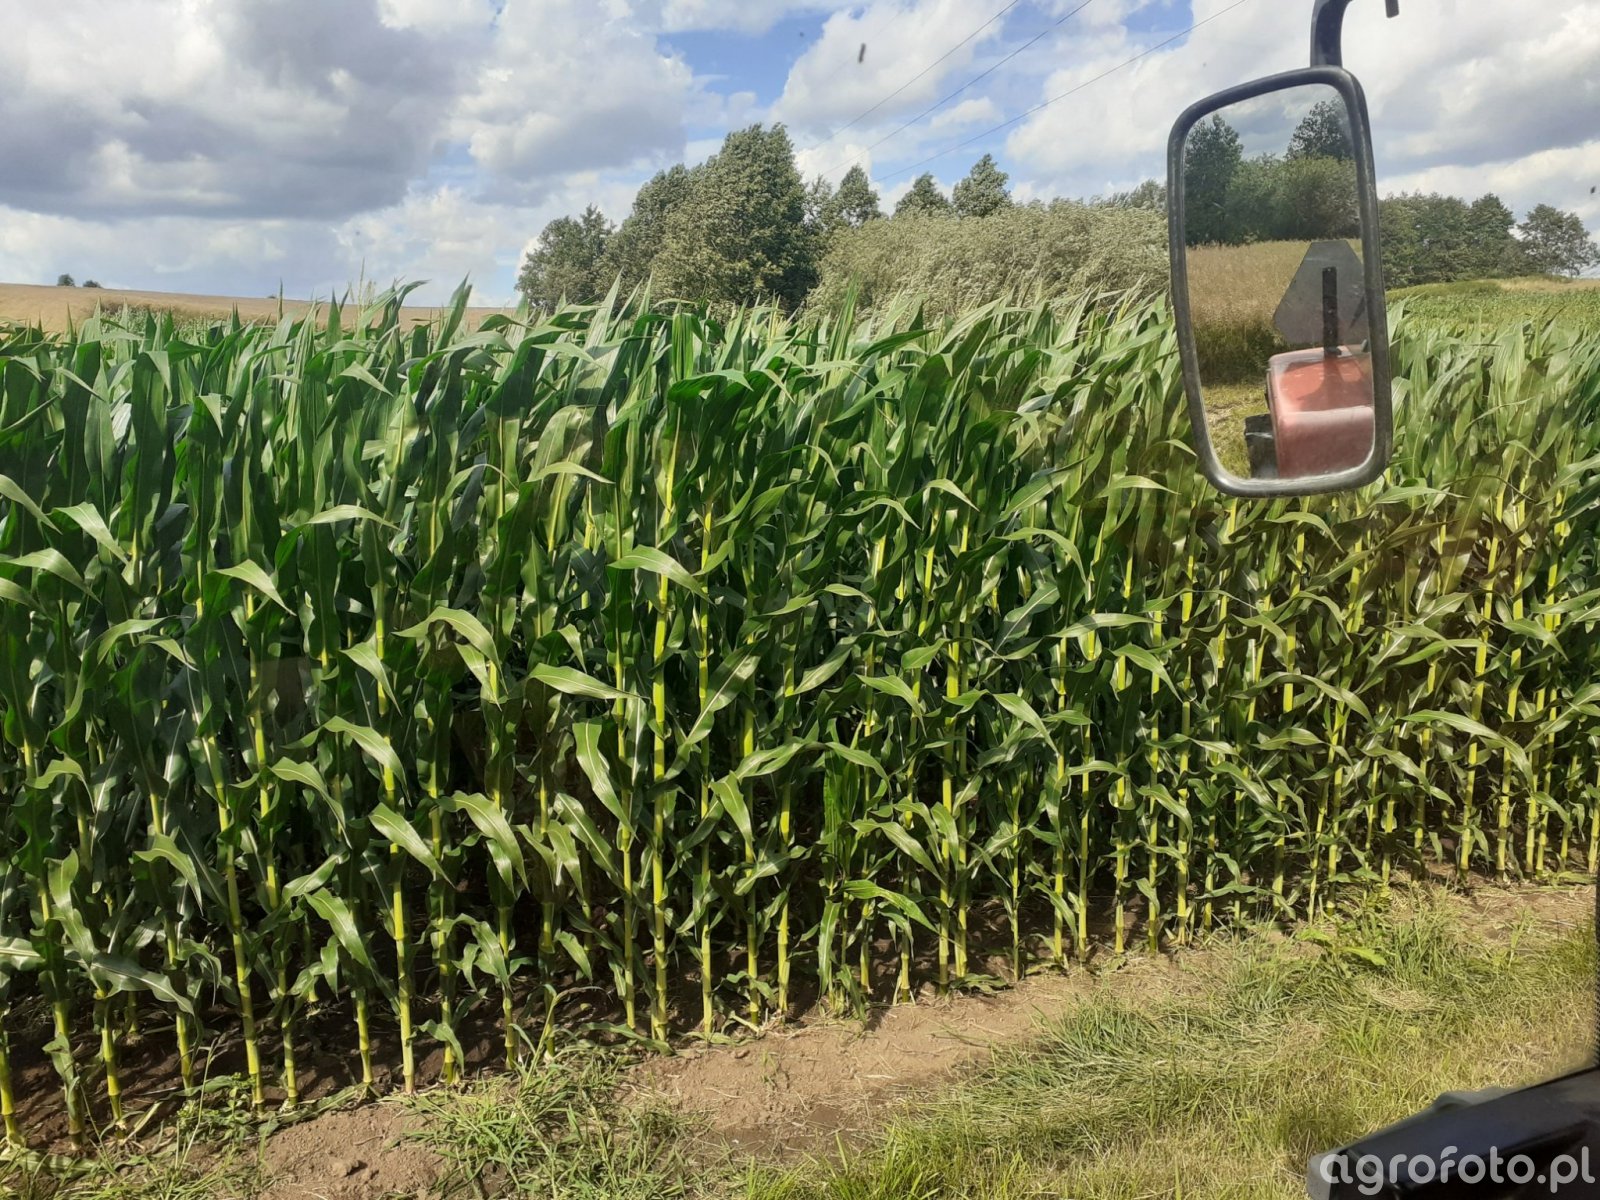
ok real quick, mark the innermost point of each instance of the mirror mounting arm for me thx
(1327, 27)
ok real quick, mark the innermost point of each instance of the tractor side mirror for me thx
(1278, 286)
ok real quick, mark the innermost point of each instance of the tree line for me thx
(744, 224)
(1310, 192)
(740, 225)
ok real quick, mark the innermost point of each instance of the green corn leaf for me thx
(573, 682)
(645, 558)
(398, 830)
(496, 831)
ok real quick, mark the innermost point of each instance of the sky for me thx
(234, 147)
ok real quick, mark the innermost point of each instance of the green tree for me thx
(1439, 239)
(924, 199)
(850, 207)
(1212, 154)
(1494, 248)
(1398, 225)
(741, 234)
(1426, 239)
(819, 213)
(1556, 243)
(568, 263)
(1315, 199)
(631, 251)
(856, 203)
(1152, 194)
(65, 280)
(1324, 133)
(983, 191)
(1251, 210)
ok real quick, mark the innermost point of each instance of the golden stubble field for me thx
(55, 308)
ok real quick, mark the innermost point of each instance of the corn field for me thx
(660, 674)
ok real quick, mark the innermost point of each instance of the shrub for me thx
(1017, 254)
(1234, 351)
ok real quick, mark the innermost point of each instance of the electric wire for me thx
(857, 160)
(868, 112)
(1073, 91)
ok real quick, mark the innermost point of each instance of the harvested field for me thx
(58, 308)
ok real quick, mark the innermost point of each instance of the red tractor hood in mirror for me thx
(1321, 411)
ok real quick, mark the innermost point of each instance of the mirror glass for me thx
(1277, 291)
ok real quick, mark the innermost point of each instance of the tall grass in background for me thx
(1021, 253)
(713, 664)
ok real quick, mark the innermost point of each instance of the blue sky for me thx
(230, 147)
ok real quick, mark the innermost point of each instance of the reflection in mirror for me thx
(1277, 291)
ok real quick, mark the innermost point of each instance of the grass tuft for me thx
(1229, 1088)
(555, 1130)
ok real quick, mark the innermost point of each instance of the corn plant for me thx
(646, 667)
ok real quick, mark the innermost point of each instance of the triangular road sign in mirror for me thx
(1315, 294)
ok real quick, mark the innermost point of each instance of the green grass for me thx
(555, 1129)
(208, 1150)
(1219, 1076)
(1227, 405)
(1492, 304)
(1228, 1090)
(1228, 284)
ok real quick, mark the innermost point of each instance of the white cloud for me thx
(443, 235)
(571, 85)
(300, 108)
(832, 160)
(746, 16)
(968, 112)
(437, 15)
(1562, 177)
(223, 145)
(436, 235)
(186, 143)
(836, 80)
(1451, 85)
(163, 253)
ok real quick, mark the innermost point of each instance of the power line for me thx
(868, 112)
(946, 99)
(1069, 92)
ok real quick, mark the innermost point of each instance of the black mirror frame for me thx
(1372, 261)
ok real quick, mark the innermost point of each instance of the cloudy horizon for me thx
(230, 147)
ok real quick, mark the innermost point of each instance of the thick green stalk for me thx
(663, 795)
(170, 943)
(751, 933)
(8, 1101)
(1153, 917)
(108, 1056)
(241, 960)
(397, 891)
(1480, 672)
(58, 991)
(443, 950)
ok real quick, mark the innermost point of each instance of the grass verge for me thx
(1218, 1075)
(555, 1130)
(1228, 1089)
